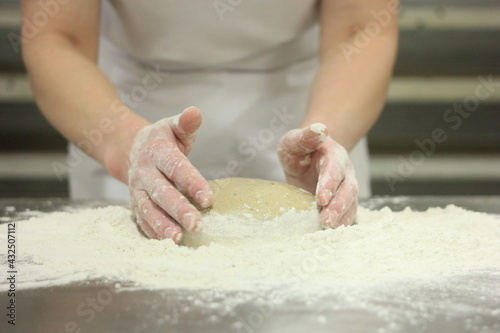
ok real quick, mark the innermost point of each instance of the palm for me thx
(315, 162)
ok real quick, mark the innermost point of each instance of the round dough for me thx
(262, 199)
(248, 208)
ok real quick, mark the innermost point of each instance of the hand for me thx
(158, 163)
(315, 162)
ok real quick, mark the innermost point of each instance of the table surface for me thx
(468, 306)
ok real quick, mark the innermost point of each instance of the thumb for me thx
(296, 145)
(185, 125)
(305, 140)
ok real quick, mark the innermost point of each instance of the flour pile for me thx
(104, 243)
(221, 229)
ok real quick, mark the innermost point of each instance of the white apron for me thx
(248, 65)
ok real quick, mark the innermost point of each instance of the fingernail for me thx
(173, 234)
(190, 222)
(169, 232)
(203, 198)
(320, 129)
(199, 197)
(177, 238)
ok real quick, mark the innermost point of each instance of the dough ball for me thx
(258, 198)
(248, 208)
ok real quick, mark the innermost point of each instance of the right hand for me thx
(158, 163)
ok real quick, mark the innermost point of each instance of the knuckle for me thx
(173, 166)
(152, 148)
(157, 226)
(143, 211)
(159, 146)
(158, 192)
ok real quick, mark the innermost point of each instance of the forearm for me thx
(80, 101)
(348, 92)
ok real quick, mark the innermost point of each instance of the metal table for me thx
(98, 306)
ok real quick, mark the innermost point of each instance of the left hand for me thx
(315, 162)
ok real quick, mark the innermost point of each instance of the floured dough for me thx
(247, 208)
(262, 199)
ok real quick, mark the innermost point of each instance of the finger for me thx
(350, 216)
(136, 198)
(340, 204)
(177, 168)
(332, 166)
(306, 140)
(165, 195)
(163, 225)
(347, 219)
(146, 228)
(185, 125)
(296, 146)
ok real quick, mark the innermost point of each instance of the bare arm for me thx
(79, 100)
(356, 59)
(71, 91)
(357, 54)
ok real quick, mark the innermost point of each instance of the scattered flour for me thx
(62, 247)
(415, 258)
(220, 228)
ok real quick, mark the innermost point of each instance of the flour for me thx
(375, 265)
(222, 229)
(104, 243)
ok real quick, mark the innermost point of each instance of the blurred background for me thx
(449, 51)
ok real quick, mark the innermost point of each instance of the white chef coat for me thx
(248, 65)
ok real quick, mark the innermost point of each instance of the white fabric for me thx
(194, 34)
(249, 73)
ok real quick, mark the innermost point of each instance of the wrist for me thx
(116, 153)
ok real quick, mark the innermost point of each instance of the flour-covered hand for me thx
(315, 162)
(158, 165)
